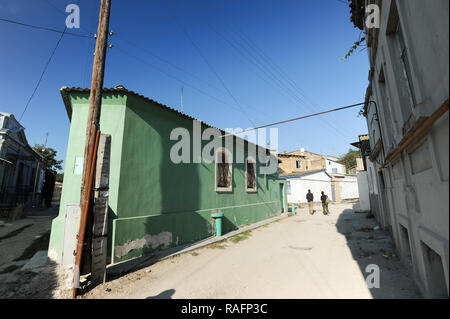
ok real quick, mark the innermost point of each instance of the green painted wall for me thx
(154, 203)
(111, 122)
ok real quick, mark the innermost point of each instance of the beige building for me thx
(357, 168)
(302, 161)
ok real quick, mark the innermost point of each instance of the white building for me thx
(21, 167)
(336, 187)
(297, 186)
(333, 166)
(408, 123)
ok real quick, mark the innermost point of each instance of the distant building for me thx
(357, 168)
(304, 161)
(408, 124)
(21, 167)
(364, 189)
(337, 187)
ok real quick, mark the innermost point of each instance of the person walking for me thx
(310, 199)
(325, 200)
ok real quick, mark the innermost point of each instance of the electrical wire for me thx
(268, 67)
(43, 71)
(276, 68)
(299, 118)
(207, 62)
(44, 28)
(175, 78)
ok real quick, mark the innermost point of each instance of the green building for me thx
(155, 203)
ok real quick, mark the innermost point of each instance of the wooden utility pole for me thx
(100, 211)
(92, 131)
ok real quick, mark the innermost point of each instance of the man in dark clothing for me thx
(324, 199)
(310, 199)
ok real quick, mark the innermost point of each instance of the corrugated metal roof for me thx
(122, 90)
(306, 173)
(65, 91)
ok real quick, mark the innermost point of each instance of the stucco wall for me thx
(363, 190)
(317, 183)
(157, 196)
(154, 203)
(349, 187)
(411, 194)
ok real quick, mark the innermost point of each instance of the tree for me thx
(49, 155)
(349, 159)
(60, 177)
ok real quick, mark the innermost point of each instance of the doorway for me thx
(282, 197)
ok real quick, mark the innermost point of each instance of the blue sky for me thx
(278, 59)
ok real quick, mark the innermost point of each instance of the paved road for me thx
(301, 256)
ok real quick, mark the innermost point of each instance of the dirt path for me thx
(297, 257)
(16, 237)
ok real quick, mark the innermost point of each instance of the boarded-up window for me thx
(420, 158)
(397, 170)
(251, 176)
(223, 171)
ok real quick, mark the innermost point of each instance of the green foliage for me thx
(354, 47)
(349, 159)
(49, 155)
(59, 177)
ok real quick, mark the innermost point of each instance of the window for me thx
(387, 117)
(223, 171)
(405, 65)
(435, 273)
(250, 176)
(288, 187)
(299, 164)
(334, 170)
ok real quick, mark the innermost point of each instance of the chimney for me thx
(302, 151)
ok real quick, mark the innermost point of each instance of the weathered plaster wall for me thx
(157, 196)
(111, 122)
(411, 194)
(317, 183)
(154, 203)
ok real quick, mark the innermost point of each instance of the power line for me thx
(265, 69)
(244, 52)
(42, 75)
(43, 71)
(300, 118)
(271, 65)
(175, 78)
(64, 14)
(178, 79)
(172, 65)
(44, 28)
(207, 62)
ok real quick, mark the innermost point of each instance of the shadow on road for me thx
(166, 294)
(38, 283)
(371, 245)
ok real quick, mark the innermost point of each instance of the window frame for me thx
(252, 161)
(404, 61)
(228, 155)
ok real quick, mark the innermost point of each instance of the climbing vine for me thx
(354, 47)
